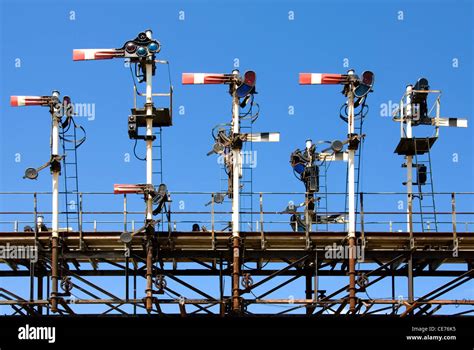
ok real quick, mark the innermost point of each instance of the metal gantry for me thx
(270, 261)
(145, 270)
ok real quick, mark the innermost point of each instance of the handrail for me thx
(370, 217)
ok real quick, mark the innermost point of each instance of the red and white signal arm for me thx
(96, 54)
(126, 188)
(20, 101)
(204, 78)
(321, 78)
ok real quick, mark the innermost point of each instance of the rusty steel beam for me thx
(54, 274)
(210, 303)
(236, 300)
(276, 273)
(352, 273)
(149, 276)
(468, 275)
(264, 272)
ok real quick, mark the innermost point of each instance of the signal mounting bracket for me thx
(161, 117)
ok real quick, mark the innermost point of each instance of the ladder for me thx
(70, 144)
(223, 188)
(157, 173)
(322, 205)
(246, 189)
(429, 220)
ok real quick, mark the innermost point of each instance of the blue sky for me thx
(434, 40)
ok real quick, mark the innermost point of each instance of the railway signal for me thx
(242, 89)
(306, 166)
(58, 109)
(413, 111)
(355, 89)
(142, 52)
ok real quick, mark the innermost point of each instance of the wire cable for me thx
(135, 151)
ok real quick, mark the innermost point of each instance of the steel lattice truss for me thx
(286, 257)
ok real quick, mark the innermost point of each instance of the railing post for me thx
(168, 218)
(410, 220)
(213, 237)
(262, 232)
(362, 235)
(455, 235)
(308, 222)
(124, 212)
(35, 205)
(80, 222)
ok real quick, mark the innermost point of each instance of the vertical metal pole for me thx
(134, 288)
(127, 279)
(308, 197)
(149, 178)
(221, 287)
(149, 139)
(32, 280)
(409, 158)
(47, 291)
(362, 226)
(80, 221)
(35, 204)
(125, 212)
(54, 274)
(316, 279)
(455, 235)
(55, 209)
(149, 274)
(213, 234)
(411, 296)
(393, 287)
(40, 291)
(351, 199)
(236, 154)
(262, 232)
(308, 289)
